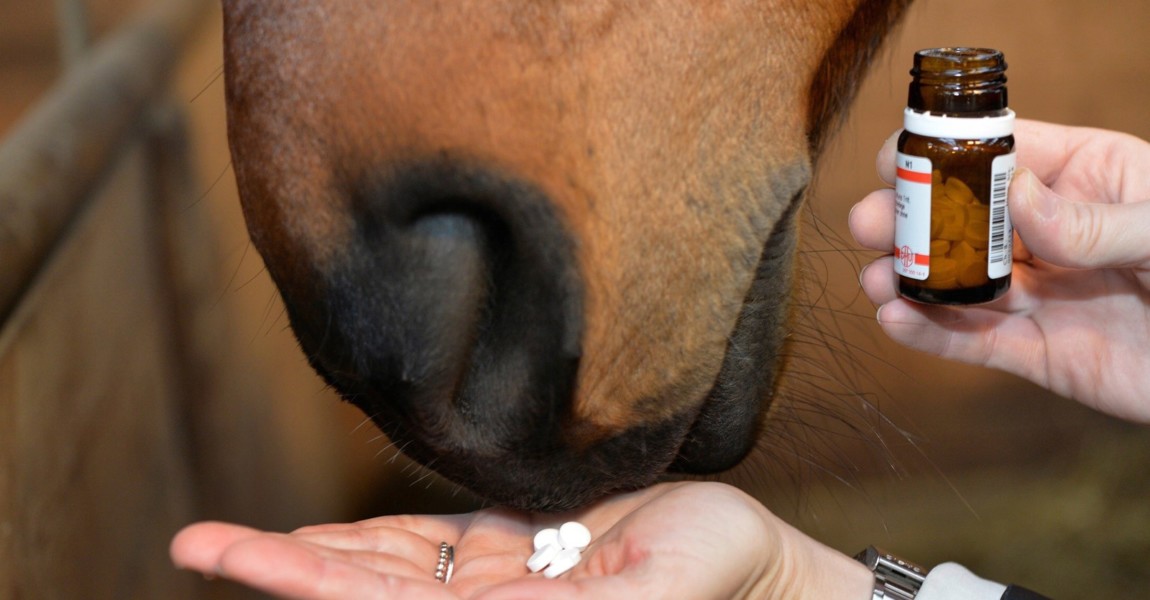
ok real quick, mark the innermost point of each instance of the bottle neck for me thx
(966, 82)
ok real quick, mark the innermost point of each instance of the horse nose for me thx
(453, 314)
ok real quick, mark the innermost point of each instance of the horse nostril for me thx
(454, 315)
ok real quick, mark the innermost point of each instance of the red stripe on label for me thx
(919, 259)
(914, 176)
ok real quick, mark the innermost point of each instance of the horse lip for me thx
(730, 419)
(552, 478)
(721, 436)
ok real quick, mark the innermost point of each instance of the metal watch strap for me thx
(894, 578)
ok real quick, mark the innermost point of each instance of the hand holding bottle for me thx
(1077, 318)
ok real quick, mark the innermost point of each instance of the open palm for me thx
(1077, 317)
(681, 540)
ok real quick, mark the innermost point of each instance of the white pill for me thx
(547, 537)
(573, 534)
(543, 557)
(563, 562)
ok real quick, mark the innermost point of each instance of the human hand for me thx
(681, 540)
(1077, 317)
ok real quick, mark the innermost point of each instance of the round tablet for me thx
(543, 557)
(547, 537)
(573, 534)
(563, 562)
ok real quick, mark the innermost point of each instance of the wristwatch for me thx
(894, 578)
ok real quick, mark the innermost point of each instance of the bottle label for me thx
(946, 234)
(1000, 254)
(912, 217)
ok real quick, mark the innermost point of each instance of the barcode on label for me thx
(998, 187)
(1000, 246)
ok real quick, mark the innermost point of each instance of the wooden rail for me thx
(54, 158)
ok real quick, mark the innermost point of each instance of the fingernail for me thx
(1042, 206)
(883, 157)
(878, 313)
(862, 272)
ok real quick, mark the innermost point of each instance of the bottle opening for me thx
(959, 63)
(959, 81)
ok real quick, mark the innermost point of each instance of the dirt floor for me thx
(956, 463)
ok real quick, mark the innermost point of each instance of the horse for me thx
(547, 247)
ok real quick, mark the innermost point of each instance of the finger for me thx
(1028, 288)
(419, 566)
(879, 282)
(1044, 148)
(871, 221)
(289, 568)
(1049, 149)
(408, 555)
(1107, 164)
(884, 162)
(199, 546)
(977, 335)
(1079, 235)
(1021, 253)
(434, 529)
(389, 540)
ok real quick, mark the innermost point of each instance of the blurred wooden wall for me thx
(140, 388)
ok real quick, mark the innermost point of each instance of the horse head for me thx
(547, 246)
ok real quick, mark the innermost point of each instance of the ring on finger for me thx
(446, 565)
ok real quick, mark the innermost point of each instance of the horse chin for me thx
(555, 479)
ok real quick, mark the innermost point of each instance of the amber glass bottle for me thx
(953, 239)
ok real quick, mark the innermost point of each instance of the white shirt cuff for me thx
(952, 581)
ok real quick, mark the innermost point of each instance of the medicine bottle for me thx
(953, 238)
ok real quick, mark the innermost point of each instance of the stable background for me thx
(932, 460)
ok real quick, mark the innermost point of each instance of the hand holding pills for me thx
(1077, 320)
(558, 550)
(683, 540)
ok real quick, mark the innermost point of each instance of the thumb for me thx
(1083, 235)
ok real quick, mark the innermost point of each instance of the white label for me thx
(912, 217)
(999, 258)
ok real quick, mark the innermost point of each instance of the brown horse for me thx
(547, 246)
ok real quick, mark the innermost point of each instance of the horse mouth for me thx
(455, 322)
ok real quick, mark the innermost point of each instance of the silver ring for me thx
(446, 565)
